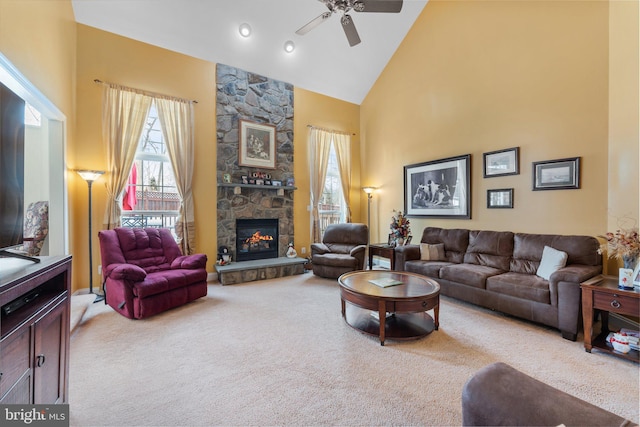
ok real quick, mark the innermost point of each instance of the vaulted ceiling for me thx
(322, 61)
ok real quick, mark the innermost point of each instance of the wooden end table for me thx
(601, 293)
(396, 312)
(382, 250)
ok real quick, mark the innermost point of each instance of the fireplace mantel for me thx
(261, 187)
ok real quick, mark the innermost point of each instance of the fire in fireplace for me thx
(256, 239)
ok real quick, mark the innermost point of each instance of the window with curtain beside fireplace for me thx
(330, 179)
(150, 198)
(332, 208)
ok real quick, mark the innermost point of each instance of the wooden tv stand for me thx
(34, 341)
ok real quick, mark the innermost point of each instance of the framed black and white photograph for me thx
(501, 198)
(439, 188)
(560, 174)
(501, 162)
(257, 145)
(276, 183)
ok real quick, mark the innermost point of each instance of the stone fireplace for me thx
(248, 96)
(256, 239)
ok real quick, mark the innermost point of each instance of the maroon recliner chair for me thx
(145, 272)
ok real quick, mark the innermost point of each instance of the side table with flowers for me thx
(400, 230)
(624, 244)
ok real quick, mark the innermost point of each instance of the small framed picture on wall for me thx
(500, 198)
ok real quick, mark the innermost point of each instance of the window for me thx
(332, 207)
(150, 198)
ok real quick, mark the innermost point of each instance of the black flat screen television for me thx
(11, 171)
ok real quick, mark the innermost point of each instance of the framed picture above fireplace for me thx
(257, 145)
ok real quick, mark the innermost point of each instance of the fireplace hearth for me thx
(256, 239)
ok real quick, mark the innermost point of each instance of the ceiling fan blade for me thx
(314, 23)
(350, 30)
(389, 6)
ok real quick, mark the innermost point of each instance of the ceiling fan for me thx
(345, 6)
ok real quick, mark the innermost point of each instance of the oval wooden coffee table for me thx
(394, 312)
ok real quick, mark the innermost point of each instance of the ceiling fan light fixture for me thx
(289, 46)
(245, 30)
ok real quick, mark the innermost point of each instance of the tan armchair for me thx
(342, 250)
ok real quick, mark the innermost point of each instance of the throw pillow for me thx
(552, 260)
(432, 252)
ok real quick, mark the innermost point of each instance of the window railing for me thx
(328, 217)
(141, 219)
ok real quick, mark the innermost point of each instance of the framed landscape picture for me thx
(560, 174)
(439, 188)
(501, 162)
(257, 145)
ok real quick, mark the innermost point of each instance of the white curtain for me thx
(342, 145)
(124, 112)
(176, 120)
(319, 149)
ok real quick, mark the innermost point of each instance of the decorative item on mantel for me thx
(624, 244)
(400, 230)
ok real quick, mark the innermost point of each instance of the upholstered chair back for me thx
(36, 227)
(152, 249)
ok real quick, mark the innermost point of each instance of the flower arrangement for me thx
(623, 244)
(400, 225)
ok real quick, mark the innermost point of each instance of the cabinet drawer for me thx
(615, 303)
(14, 358)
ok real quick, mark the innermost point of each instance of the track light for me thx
(289, 46)
(245, 30)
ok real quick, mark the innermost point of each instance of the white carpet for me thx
(79, 305)
(277, 352)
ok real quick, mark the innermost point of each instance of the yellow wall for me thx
(325, 112)
(477, 76)
(108, 57)
(39, 39)
(624, 113)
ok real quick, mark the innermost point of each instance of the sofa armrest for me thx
(319, 248)
(405, 253)
(190, 262)
(357, 250)
(576, 273)
(498, 394)
(125, 272)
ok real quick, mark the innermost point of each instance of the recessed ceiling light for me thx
(245, 30)
(289, 46)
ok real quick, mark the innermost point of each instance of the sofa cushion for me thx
(426, 268)
(552, 261)
(432, 252)
(518, 285)
(490, 248)
(335, 260)
(528, 248)
(163, 281)
(469, 274)
(455, 241)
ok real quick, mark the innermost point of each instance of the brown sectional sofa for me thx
(497, 270)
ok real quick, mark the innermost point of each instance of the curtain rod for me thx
(144, 92)
(330, 130)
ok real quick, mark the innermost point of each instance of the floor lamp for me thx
(91, 176)
(369, 191)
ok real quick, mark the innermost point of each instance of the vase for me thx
(630, 261)
(400, 241)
